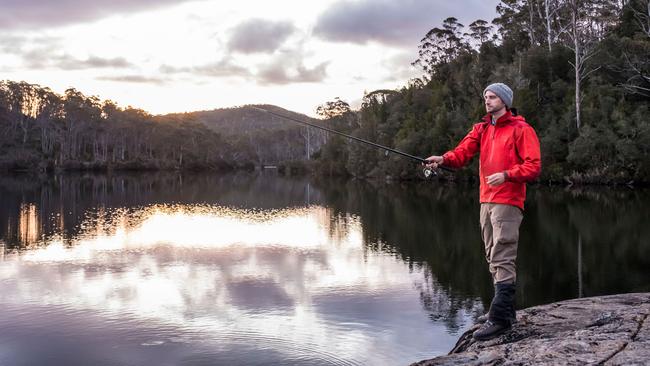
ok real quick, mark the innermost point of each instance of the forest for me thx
(43, 131)
(580, 71)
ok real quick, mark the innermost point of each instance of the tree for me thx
(440, 46)
(514, 23)
(480, 31)
(81, 115)
(629, 49)
(551, 10)
(587, 23)
(48, 119)
(641, 10)
(334, 108)
(24, 104)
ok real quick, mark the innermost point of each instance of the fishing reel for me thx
(428, 173)
(432, 171)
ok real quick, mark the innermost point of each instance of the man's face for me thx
(493, 103)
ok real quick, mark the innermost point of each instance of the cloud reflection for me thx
(295, 280)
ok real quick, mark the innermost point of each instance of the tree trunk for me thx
(308, 144)
(549, 39)
(577, 66)
(532, 23)
(25, 129)
(577, 73)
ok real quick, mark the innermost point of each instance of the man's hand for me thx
(496, 179)
(434, 161)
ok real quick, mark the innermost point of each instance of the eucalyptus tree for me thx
(637, 63)
(587, 23)
(440, 46)
(82, 115)
(641, 10)
(48, 119)
(515, 23)
(333, 108)
(480, 32)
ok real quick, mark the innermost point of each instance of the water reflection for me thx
(297, 281)
(602, 231)
(255, 269)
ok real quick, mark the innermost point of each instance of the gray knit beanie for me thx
(502, 91)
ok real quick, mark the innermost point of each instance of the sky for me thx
(167, 56)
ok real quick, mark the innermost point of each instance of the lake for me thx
(261, 269)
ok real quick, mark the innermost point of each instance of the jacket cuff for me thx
(445, 158)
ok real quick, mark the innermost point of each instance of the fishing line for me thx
(427, 171)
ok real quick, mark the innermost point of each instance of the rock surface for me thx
(609, 330)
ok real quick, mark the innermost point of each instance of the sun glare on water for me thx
(198, 227)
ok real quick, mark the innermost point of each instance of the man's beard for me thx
(494, 111)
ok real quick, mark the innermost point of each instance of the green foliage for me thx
(432, 115)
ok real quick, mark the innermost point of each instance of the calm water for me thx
(164, 269)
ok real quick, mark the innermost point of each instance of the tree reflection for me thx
(437, 226)
(432, 228)
(35, 208)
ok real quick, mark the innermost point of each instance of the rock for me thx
(609, 330)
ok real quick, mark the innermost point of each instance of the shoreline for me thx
(294, 171)
(609, 330)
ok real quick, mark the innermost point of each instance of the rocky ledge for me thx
(608, 330)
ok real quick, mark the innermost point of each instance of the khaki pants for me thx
(500, 232)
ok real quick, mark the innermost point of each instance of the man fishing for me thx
(509, 157)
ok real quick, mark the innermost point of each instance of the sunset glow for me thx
(175, 56)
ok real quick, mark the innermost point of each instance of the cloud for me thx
(398, 23)
(285, 68)
(39, 14)
(289, 67)
(45, 52)
(11, 44)
(133, 79)
(400, 68)
(93, 62)
(220, 69)
(41, 58)
(15, 44)
(167, 69)
(279, 73)
(259, 35)
(223, 68)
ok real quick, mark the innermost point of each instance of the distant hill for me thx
(246, 120)
(260, 137)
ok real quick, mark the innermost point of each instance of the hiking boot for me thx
(491, 330)
(483, 318)
(502, 308)
(501, 315)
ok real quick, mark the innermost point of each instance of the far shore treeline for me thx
(580, 71)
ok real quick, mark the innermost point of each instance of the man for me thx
(509, 157)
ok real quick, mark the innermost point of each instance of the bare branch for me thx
(585, 75)
(643, 18)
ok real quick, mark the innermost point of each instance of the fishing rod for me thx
(427, 171)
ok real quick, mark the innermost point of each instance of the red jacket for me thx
(510, 146)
